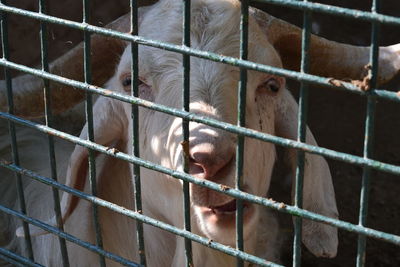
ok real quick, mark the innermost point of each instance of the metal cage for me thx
(366, 162)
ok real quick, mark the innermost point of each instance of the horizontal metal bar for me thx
(13, 262)
(334, 10)
(17, 259)
(221, 125)
(305, 6)
(321, 81)
(71, 238)
(208, 121)
(186, 177)
(129, 213)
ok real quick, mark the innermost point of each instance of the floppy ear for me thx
(108, 125)
(318, 192)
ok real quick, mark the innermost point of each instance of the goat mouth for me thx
(224, 215)
(227, 208)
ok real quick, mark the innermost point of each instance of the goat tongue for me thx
(228, 207)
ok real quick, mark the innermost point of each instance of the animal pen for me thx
(367, 88)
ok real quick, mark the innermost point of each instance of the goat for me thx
(270, 109)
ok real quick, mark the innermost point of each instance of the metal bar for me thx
(394, 239)
(12, 131)
(186, 14)
(89, 120)
(241, 121)
(135, 131)
(49, 122)
(304, 6)
(369, 136)
(9, 260)
(321, 81)
(214, 123)
(367, 163)
(334, 10)
(70, 238)
(301, 136)
(16, 259)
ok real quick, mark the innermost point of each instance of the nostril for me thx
(203, 159)
(195, 168)
(206, 165)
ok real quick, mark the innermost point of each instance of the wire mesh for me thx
(240, 130)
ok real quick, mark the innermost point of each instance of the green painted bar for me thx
(186, 13)
(214, 123)
(89, 120)
(241, 121)
(369, 136)
(186, 116)
(321, 81)
(12, 130)
(301, 137)
(135, 131)
(49, 122)
(16, 259)
(394, 239)
(10, 260)
(335, 10)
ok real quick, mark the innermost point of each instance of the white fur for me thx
(215, 27)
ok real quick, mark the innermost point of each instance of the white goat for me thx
(270, 109)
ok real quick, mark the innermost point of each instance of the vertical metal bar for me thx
(14, 147)
(369, 135)
(135, 130)
(241, 121)
(301, 137)
(49, 122)
(89, 119)
(185, 126)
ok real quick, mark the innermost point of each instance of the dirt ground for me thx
(335, 117)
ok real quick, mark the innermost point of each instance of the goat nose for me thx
(207, 160)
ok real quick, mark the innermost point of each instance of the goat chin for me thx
(221, 227)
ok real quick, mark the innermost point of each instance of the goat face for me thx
(213, 93)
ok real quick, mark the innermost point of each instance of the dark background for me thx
(335, 117)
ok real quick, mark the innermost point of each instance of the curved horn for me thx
(28, 89)
(327, 58)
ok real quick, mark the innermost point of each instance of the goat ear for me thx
(108, 130)
(318, 192)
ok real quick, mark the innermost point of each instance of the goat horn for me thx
(327, 58)
(27, 89)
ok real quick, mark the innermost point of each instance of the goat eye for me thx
(272, 85)
(127, 81)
